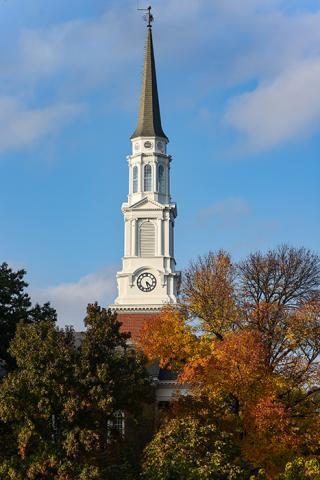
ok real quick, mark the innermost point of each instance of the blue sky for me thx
(240, 101)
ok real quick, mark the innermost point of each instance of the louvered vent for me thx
(147, 239)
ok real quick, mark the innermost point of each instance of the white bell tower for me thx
(148, 279)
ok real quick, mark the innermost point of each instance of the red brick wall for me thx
(132, 322)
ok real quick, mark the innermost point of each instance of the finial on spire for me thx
(148, 17)
(149, 119)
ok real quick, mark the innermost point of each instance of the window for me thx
(147, 239)
(135, 179)
(54, 425)
(116, 426)
(162, 406)
(161, 180)
(147, 178)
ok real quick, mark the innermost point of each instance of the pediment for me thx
(146, 204)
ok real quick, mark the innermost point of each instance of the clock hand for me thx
(148, 284)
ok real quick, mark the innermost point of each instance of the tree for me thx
(189, 448)
(302, 469)
(170, 338)
(15, 307)
(62, 400)
(279, 294)
(286, 276)
(208, 293)
(250, 342)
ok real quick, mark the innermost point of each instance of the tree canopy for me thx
(245, 340)
(15, 307)
(186, 449)
(302, 469)
(62, 400)
(246, 337)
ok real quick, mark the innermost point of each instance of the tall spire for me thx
(149, 119)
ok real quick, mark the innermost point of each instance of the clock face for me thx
(148, 144)
(146, 282)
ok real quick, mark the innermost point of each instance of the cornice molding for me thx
(136, 308)
(156, 206)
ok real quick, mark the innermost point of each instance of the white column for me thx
(166, 236)
(127, 238)
(171, 230)
(154, 176)
(130, 178)
(134, 235)
(141, 166)
(159, 228)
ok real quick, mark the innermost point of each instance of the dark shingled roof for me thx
(165, 374)
(149, 120)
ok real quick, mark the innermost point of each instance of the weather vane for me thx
(148, 17)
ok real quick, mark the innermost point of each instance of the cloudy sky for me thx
(239, 88)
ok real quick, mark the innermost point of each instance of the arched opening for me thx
(135, 179)
(147, 178)
(161, 180)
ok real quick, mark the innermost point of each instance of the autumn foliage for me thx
(246, 338)
(61, 401)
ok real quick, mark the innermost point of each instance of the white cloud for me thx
(252, 41)
(226, 211)
(21, 126)
(274, 47)
(278, 42)
(102, 47)
(71, 58)
(96, 45)
(284, 109)
(83, 51)
(71, 299)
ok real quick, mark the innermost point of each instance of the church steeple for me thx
(149, 119)
(148, 279)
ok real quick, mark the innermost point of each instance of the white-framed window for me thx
(147, 239)
(161, 179)
(116, 425)
(147, 178)
(135, 179)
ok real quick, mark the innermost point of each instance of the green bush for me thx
(188, 449)
(302, 469)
